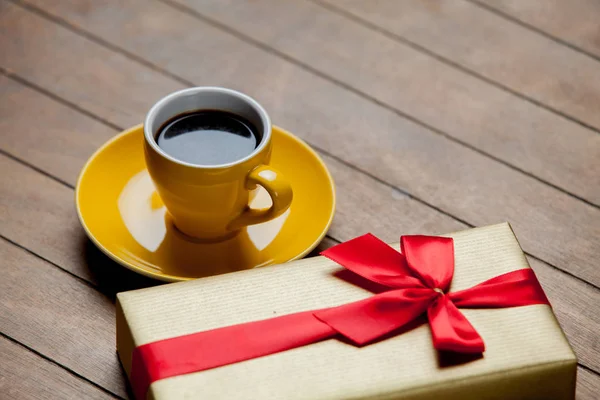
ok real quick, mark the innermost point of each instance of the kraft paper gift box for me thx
(526, 353)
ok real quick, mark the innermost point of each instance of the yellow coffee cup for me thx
(210, 202)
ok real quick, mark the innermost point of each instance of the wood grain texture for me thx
(58, 140)
(551, 225)
(441, 96)
(588, 385)
(573, 21)
(59, 317)
(25, 375)
(63, 53)
(570, 299)
(494, 48)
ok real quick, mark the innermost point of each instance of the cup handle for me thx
(278, 188)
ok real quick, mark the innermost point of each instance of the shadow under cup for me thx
(210, 202)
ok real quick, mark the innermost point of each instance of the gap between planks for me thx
(72, 373)
(448, 61)
(533, 28)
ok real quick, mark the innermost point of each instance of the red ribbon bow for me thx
(418, 279)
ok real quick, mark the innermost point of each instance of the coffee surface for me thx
(208, 137)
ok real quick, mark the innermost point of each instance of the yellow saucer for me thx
(123, 215)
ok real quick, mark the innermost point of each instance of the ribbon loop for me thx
(450, 329)
(513, 289)
(374, 260)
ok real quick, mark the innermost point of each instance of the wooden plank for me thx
(493, 48)
(447, 99)
(56, 138)
(578, 321)
(25, 375)
(574, 22)
(588, 385)
(101, 88)
(35, 295)
(437, 171)
(576, 303)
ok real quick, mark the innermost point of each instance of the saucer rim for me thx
(174, 278)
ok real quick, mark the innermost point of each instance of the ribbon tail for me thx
(223, 346)
(450, 329)
(513, 289)
(374, 260)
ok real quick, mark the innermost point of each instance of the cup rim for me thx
(266, 120)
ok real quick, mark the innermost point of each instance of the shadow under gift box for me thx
(527, 355)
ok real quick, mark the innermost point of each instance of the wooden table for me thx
(433, 116)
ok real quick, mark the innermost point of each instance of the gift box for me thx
(206, 339)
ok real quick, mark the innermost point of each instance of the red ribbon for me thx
(417, 281)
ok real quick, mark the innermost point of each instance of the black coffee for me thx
(208, 137)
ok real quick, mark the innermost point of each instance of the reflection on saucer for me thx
(142, 211)
(144, 214)
(263, 234)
